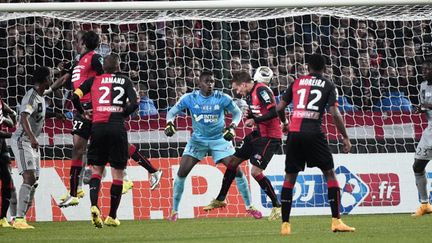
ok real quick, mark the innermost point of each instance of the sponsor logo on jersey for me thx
(306, 114)
(109, 109)
(265, 96)
(198, 118)
(206, 118)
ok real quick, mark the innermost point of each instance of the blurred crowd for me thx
(372, 63)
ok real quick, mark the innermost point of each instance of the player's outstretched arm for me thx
(236, 113)
(170, 128)
(340, 125)
(280, 109)
(57, 84)
(12, 114)
(182, 104)
(132, 96)
(76, 101)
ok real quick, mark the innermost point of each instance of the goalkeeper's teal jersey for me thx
(207, 113)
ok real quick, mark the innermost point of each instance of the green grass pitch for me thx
(370, 228)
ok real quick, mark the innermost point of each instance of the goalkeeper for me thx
(259, 145)
(207, 109)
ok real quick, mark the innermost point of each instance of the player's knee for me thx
(256, 172)
(329, 174)
(182, 173)
(419, 166)
(79, 150)
(29, 177)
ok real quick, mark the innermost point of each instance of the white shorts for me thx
(26, 157)
(424, 147)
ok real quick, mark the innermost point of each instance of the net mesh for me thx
(373, 56)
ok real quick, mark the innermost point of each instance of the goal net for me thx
(374, 56)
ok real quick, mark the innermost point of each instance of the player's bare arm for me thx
(340, 125)
(57, 84)
(267, 99)
(28, 131)
(57, 114)
(76, 100)
(132, 105)
(10, 113)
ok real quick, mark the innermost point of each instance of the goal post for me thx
(374, 50)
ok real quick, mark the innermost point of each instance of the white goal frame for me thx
(224, 4)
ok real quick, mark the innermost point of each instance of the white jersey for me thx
(424, 147)
(426, 99)
(34, 105)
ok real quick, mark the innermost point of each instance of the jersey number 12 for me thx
(311, 105)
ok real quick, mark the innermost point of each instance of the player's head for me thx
(78, 40)
(206, 82)
(90, 40)
(427, 69)
(111, 63)
(242, 82)
(316, 63)
(41, 77)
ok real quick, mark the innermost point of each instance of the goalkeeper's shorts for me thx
(218, 149)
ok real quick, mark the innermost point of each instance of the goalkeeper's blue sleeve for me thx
(236, 113)
(171, 114)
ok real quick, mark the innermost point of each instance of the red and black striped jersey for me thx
(260, 100)
(89, 65)
(310, 96)
(110, 94)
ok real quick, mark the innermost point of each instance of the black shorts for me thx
(307, 148)
(81, 127)
(108, 143)
(4, 152)
(259, 150)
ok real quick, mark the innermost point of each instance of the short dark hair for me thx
(316, 62)
(204, 74)
(40, 75)
(111, 62)
(90, 39)
(241, 77)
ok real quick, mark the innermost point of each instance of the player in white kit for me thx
(25, 145)
(424, 148)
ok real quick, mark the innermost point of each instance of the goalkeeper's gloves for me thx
(170, 129)
(229, 132)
